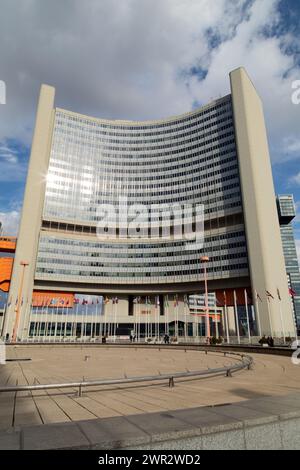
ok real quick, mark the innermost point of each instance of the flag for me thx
(225, 299)
(278, 294)
(292, 292)
(175, 300)
(157, 301)
(106, 301)
(167, 301)
(268, 294)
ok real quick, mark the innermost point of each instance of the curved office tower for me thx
(117, 215)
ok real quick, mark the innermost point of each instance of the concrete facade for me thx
(71, 173)
(266, 260)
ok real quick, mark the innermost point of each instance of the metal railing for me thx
(245, 362)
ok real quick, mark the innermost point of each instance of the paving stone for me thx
(248, 416)
(53, 436)
(116, 432)
(268, 406)
(10, 440)
(163, 426)
(206, 420)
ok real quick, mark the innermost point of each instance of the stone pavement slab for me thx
(162, 426)
(112, 433)
(10, 440)
(53, 436)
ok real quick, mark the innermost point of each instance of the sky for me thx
(145, 59)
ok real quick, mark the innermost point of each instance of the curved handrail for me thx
(245, 362)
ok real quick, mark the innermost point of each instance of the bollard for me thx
(80, 391)
(171, 382)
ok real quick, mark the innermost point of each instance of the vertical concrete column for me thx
(231, 321)
(266, 261)
(31, 217)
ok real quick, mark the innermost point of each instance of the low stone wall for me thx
(263, 423)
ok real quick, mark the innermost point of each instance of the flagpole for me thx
(216, 320)
(167, 315)
(226, 318)
(55, 325)
(73, 327)
(62, 326)
(81, 329)
(247, 315)
(236, 318)
(86, 319)
(66, 319)
(156, 326)
(21, 322)
(51, 321)
(185, 315)
(24, 321)
(176, 317)
(139, 319)
(269, 314)
(104, 319)
(281, 317)
(46, 324)
(92, 320)
(76, 319)
(257, 314)
(96, 320)
(29, 320)
(34, 323)
(39, 325)
(147, 319)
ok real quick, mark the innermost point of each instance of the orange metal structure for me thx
(8, 244)
(6, 265)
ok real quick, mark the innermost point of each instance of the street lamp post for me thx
(19, 302)
(204, 260)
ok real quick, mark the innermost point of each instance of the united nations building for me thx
(82, 272)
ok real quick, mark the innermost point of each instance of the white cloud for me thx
(295, 178)
(10, 222)
(127, 59)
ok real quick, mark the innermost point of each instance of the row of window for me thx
(212, 111)
(112, 277)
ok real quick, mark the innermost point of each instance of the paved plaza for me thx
(270, 376)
